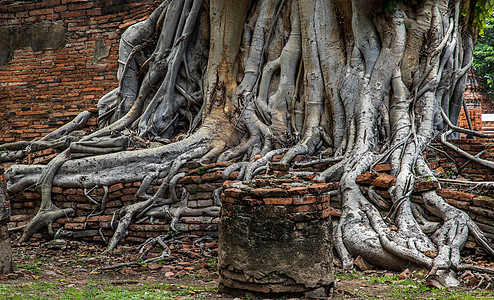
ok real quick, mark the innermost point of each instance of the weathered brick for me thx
(457, 195)
(299, 208)
(458, 204)
(213, 176)
(190, 179)
(278, 201)
(235, 193)
(265, 192)
(366, 178)
(74, 226)
(383, 180)
(115, 187)
(423, 186)
(201, 195)
(307, 199)
(299, 190)
(331, 212)
(484, 201)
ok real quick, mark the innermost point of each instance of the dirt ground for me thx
(189, 272)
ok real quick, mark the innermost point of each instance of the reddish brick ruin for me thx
(478, 102)
(44, 85)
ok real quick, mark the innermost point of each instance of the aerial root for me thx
(157, 205)
(249, 169)
(163, 241)
(44, 218)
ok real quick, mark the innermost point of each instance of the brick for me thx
(383, 181)
(190, 179)
(201, 195)
(69, 191)
(85, 206)
(204, 203)
(251, 201)
(278, 201)
(484, 201)
(72, 14)
(457, 195)
(482, 212)
(208, 177)
(423, 186)
(459, 204)
(299, 190)
(235, 193)
(106, 218)
(18, 218)
(318, 188)
(331, 212)
(115, 187)
(366, 178)
(130, 191)
(307, 199)
(265, 192)
(228, 199)
(191, 220)
(233, 175)
(74, 226)
(114, 203)
(41, 12)
(57, 190)
(126, 198)
(299, 208)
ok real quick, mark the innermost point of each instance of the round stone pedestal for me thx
(275, 239)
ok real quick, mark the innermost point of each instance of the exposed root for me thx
(44, 218)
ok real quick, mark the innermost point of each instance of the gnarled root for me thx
(44, 218)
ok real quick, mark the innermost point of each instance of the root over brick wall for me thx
(201, 191)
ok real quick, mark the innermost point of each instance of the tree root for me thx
(44, 218)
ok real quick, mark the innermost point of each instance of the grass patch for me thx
(416, 289)
(96, 290)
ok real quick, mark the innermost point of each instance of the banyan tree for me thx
(367, 82)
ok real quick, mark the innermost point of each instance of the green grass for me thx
(95, 290)
(416, 289)
(348, 275)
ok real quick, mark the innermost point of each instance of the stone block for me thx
(303, 262)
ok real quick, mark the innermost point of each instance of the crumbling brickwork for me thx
(276, 215)
(43, 86)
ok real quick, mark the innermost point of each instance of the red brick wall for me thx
(475, 118)
(40, 90)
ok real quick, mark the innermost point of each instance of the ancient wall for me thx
(57, 58)
(475, 118)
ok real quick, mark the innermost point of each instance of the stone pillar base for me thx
(276, 241)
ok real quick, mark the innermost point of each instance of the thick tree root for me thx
(44, 218)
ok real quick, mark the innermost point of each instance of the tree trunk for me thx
(369, 81)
